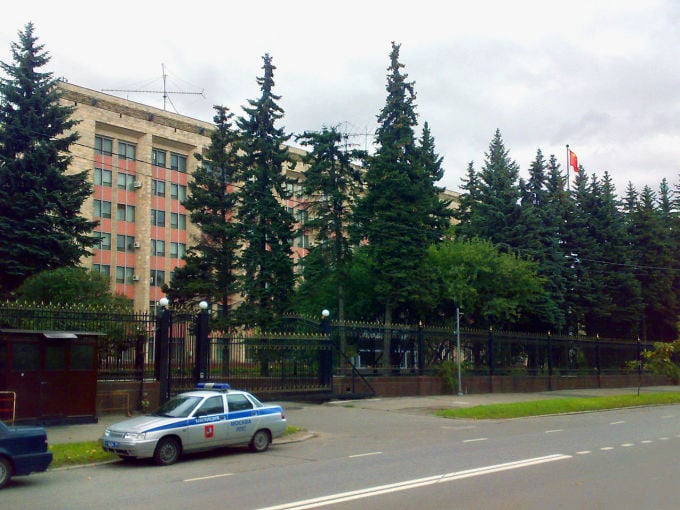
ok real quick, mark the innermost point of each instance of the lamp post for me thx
(460, 378)
(325, 351)
(201, 369)
(163, 323)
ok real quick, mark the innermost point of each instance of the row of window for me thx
(127, 274)
(127, 243)
(102, 209)
(177, 191)
(125, 181)
(104, 146)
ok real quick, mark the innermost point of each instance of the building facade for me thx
(140, 160)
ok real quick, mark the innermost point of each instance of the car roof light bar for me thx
(213, 386)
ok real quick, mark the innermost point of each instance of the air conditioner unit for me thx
(137, 245)
(135, 278)
(138, 184)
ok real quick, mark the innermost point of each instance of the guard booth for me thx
(52, 373)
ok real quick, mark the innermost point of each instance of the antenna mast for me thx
(164, 92)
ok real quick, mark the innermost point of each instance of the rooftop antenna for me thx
(165, 91)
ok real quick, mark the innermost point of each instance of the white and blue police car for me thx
(212, 416)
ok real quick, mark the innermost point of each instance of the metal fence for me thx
(418, 349)
(304, 357)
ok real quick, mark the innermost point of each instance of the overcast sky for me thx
(601, 76)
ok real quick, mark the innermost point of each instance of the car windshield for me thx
(178, 407)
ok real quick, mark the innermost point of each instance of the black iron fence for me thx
(403, 349)
(307, 355)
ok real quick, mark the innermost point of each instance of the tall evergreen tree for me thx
(210, 270)
(40, 223)
(333, 183)
(606, 294)
(655, 262)
(467, 205)
(541, 221)
(266, 262)
(398, 214)
(496, 214)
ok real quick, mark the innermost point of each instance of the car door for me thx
(241, 417)
(209, 428)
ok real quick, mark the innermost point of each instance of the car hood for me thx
(143, 423)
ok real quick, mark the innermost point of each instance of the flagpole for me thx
(568, 167)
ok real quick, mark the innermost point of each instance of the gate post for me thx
(202, 330)
(163, 325)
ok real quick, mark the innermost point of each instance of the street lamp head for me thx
(325, 313)
(164, 302)
(203, 305)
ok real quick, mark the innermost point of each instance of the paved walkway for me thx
(92, 431)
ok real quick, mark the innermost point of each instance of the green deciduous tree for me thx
(266, 262)
(40, 223)
(494, 288)
(69, 286)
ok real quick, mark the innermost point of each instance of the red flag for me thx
(573, 160)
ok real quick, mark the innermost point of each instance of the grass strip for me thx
(558, 406)
(91, 452)
(76, 454)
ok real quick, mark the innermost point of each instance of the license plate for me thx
(111, 444)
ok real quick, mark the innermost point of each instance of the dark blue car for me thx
(23, 450)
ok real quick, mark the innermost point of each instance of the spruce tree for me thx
(40, 223)
(399, 215)
(497, 213)
(654, 256)
(268, 228)
(210, 271)
(541, 221)
(332, 183)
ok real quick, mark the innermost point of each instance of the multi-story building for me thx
(140, 160)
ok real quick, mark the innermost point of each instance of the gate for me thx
(271, 364)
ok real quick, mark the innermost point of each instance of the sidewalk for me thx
(92, 431)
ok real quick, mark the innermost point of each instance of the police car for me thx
(212, 416)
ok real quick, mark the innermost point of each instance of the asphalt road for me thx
(376, 458)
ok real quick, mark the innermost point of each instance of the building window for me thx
(158, 188)
(158, 157)
(157, 218)
(178, 192)
(124, 274)
(126, 181)
(157, 277)
(126, 150)
(125, 212)
(125, 243)
(158, 247)
(178, 221)
(103, 177)
(177, 250)
(102, 209)
(104, 240)
(178, 162)
(303, 241)
(302, 216)
(103, 146)
(102, 268)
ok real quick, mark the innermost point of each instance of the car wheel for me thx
(5, 471)
(260, 441)
(167, 451)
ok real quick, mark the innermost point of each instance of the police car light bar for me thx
(213, 386)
